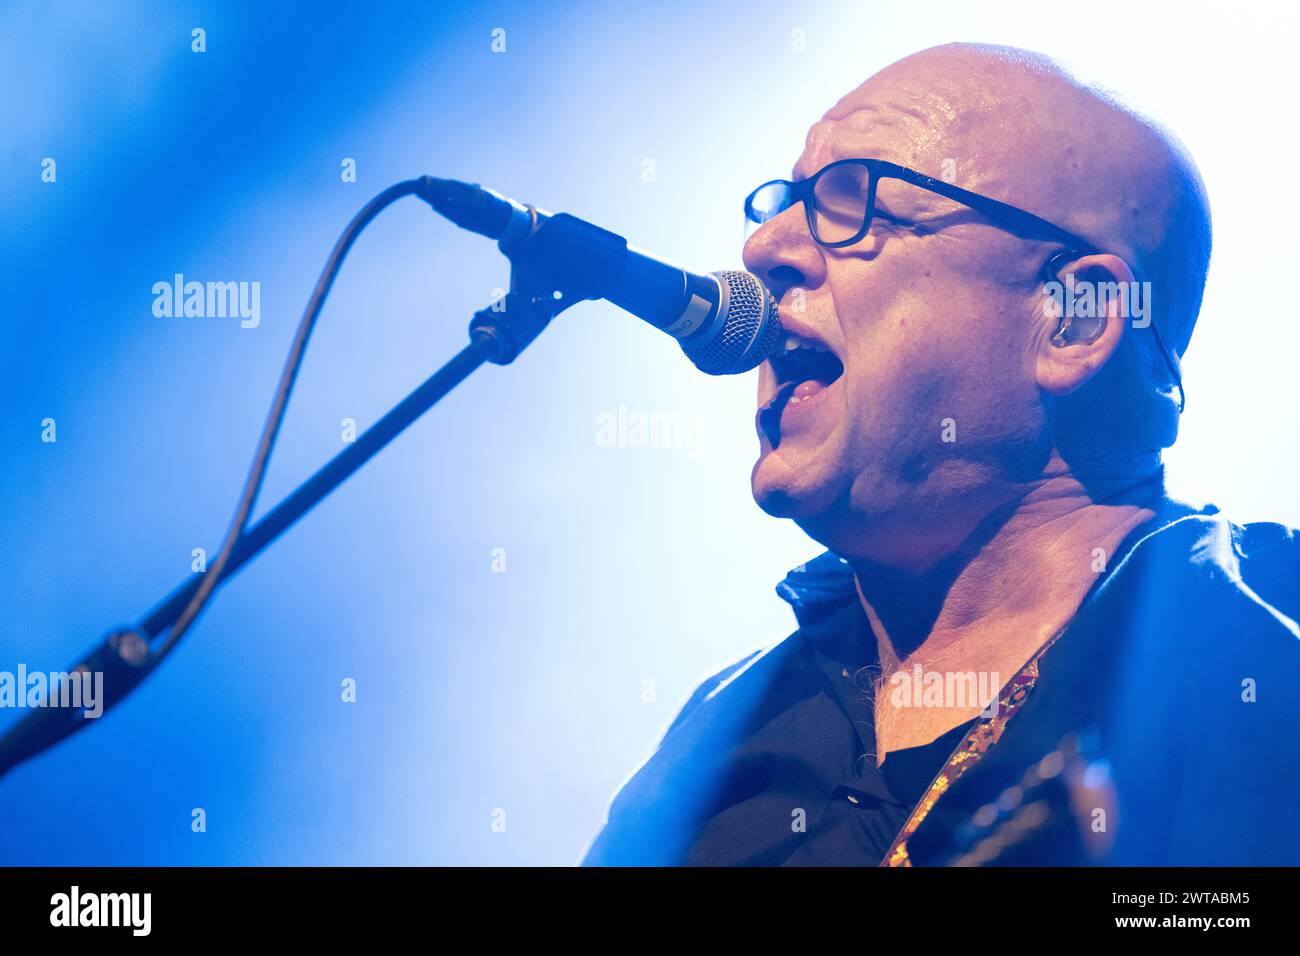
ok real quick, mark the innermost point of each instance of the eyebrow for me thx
(835, 157)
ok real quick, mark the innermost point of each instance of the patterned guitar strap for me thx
(979, 740)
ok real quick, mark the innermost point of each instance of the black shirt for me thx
(803, 787)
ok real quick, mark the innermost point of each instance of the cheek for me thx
(925, 358)
(899, 355)
(932, 329)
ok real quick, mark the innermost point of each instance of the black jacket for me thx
(1183, 663)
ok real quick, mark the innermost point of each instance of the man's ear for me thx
(1085, 310)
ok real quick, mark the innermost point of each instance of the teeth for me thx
(793, 342)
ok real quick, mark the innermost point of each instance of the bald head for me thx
(1016, 126)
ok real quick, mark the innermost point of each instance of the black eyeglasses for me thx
(841, 200)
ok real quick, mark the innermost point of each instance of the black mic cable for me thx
(279, 403)
(125, 657)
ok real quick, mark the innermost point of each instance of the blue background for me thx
(630, 572)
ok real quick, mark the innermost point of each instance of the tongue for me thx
(808, 388)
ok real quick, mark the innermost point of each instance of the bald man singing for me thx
(1018, 648)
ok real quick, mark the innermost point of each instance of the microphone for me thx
(726, 322)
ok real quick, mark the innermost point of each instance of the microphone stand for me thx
(545, 279)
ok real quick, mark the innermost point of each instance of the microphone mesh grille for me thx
(751, 329)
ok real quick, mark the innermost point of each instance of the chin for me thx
(822, 506)
(785, 490)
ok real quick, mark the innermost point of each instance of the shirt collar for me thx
(815, 587)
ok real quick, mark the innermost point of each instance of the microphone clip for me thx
(566, 259)
(562, 260)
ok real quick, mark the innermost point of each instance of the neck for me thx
(1001, 593)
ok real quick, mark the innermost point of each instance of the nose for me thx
(784, 254)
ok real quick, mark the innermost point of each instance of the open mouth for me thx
(804, 370)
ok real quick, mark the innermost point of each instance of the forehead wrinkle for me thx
(816, 150)
(891, 132)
